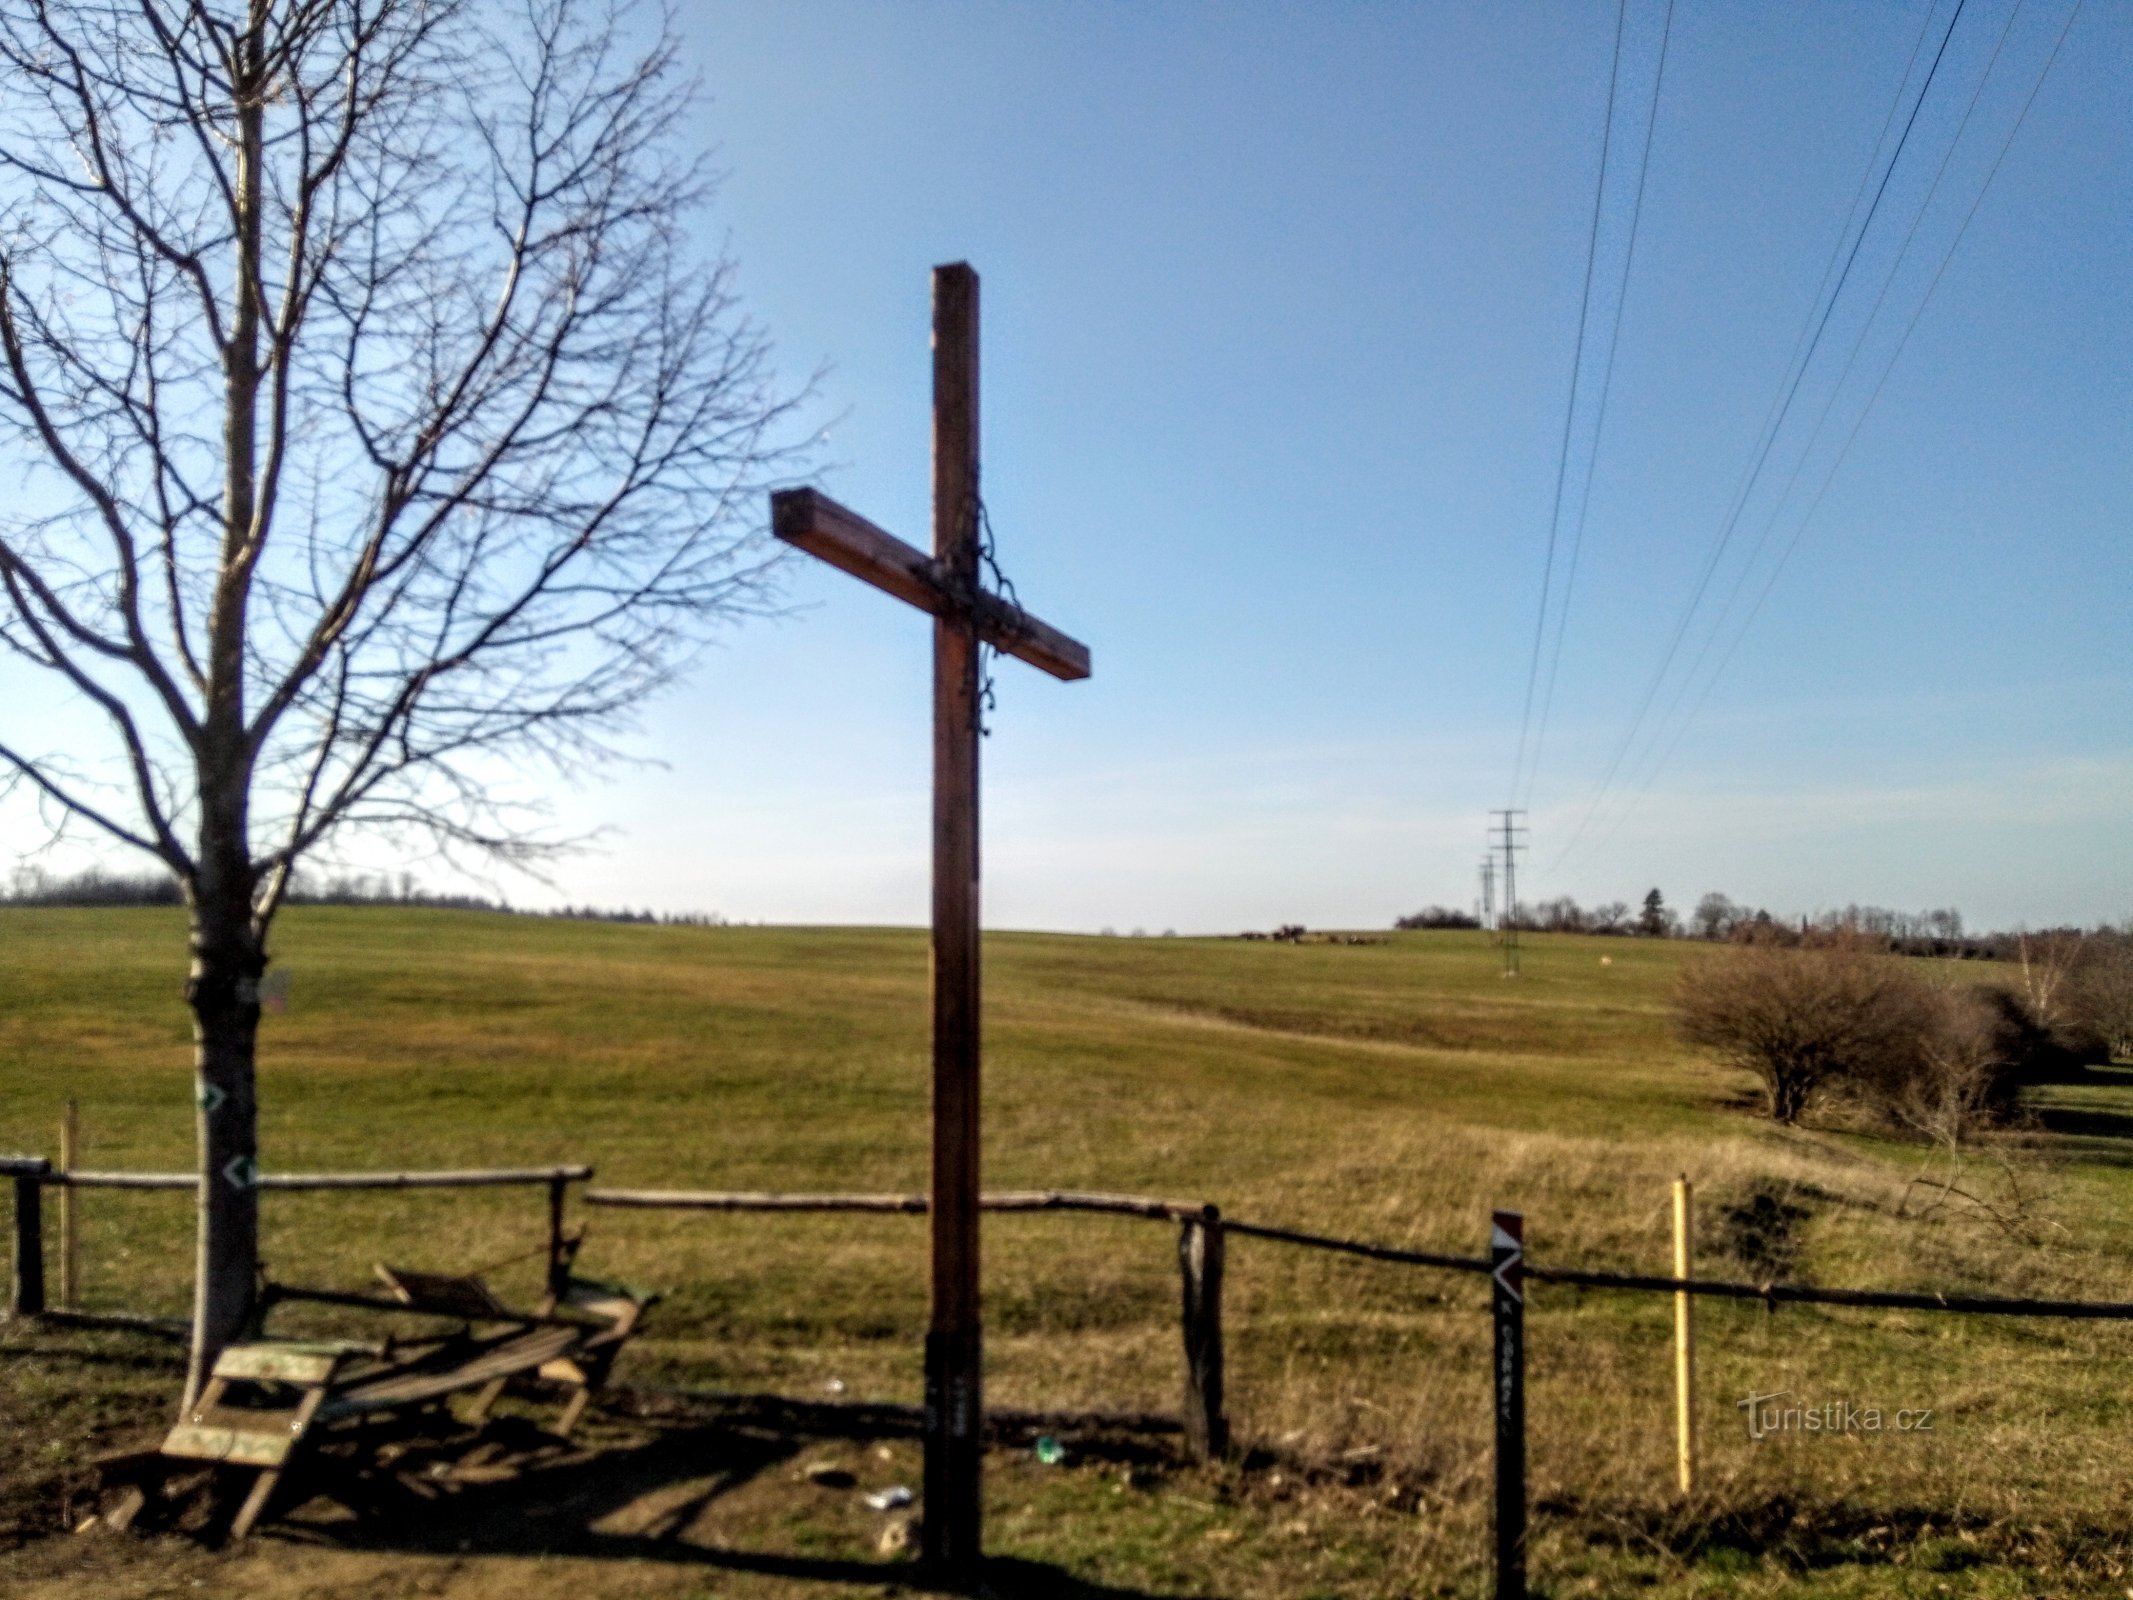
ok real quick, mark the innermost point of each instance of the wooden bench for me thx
(268, 1399)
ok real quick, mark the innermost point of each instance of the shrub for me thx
(1844, 1019)
(1805, 1021)
(2103, 990)
(1976, 1047)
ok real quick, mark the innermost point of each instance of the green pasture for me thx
(1394, 1091)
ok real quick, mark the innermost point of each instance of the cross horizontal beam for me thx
(815, 523)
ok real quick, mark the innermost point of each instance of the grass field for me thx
(1394, 1091)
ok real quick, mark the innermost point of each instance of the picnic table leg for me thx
(120, 1517)
(146, 1477)
(270, 1477)
(573, 1411)
(485, 1401)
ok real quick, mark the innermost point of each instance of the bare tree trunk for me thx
(228, 951)
(227, 960)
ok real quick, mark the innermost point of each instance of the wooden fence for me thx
(32, 1175)
(1200, 1253)
(1203, 1232)
(1201, 1259)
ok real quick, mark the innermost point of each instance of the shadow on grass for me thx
(516, 1492)
(1124, 1438)
(1804, 1536)
(2087, 1122)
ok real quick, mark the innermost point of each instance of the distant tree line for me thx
(1560, 915)
(1437, 917)
(33, 886)
(1719, 919)
(92, 887)
(1938, 932)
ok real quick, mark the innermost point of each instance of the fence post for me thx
(558, 1268)
(1507, 1303)
(26, 1298)
(1200, 1252)
(1684, 1337)
(69, 1239)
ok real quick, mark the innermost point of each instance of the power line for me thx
(1577, 368)
(1599, 427)
(1859, 423)
(1818, 321)
(1836, 391)
(1803, 357)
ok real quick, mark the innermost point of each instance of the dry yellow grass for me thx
(1394, 1092)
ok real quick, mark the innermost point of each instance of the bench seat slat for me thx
(277, 1362)
(472, 1363)
(240, 1447)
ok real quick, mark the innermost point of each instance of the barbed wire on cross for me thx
(1004, 586)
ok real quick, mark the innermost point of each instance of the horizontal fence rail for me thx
(1188, 1211)
(472, 1178)
(1127, 1205)
(32, 1174)
(1811, 1294)
(1356, 1247)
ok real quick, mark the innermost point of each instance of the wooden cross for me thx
(949, 585)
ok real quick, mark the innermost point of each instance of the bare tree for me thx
(2051, 962)
(380, 434)
(1715, 916)
(2104, 990)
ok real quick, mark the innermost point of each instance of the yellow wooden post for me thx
(69, 1240)
(1684, 1340)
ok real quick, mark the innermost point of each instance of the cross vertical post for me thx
(954, 1355)
(949, 587)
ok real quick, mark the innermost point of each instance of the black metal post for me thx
(1507, 1299)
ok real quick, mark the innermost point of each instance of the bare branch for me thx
(488, 442)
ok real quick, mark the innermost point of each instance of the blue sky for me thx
(1281, 304)
(1280, 310)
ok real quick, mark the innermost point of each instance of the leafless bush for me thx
(1937, 1063)
(2103, 989)
(1966, 1072)
(1805, 1021)
(1983, 1045)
